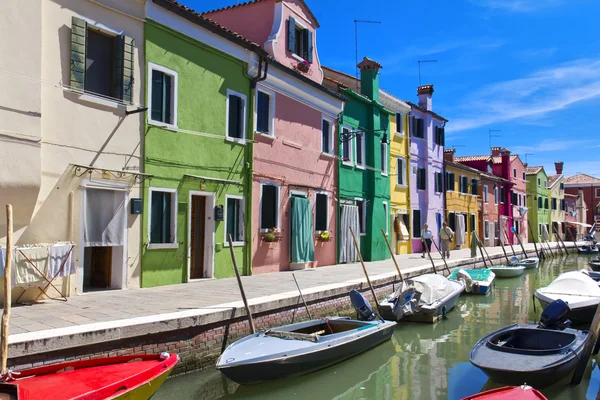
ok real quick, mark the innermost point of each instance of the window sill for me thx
(384, 174)
(399, 135)
(159, 124)
(348, 163)
(401, 186)
(235, 140)
(327, 155)
(235, 244)
(297, 57)
(102, 101)
(265, 135)
(360, 166)
(154, 246)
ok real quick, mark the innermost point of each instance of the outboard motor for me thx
(555, 315)
(362, 306)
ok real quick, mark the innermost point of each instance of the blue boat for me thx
(477, 281)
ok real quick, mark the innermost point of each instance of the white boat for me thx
(507, 271)
(578, 290)
(424, 298)
(529, 263)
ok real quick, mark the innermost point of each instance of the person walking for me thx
(446, 235)
(426, 235)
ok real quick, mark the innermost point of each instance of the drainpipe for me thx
(250, 162)
(338, 161)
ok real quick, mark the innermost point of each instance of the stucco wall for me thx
(489, 211)
(399, 195)
(536, 215)
(204, 75)
(458, 202)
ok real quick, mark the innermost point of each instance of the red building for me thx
(489, 207)
(590, 187)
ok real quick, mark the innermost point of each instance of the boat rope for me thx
(9, 376)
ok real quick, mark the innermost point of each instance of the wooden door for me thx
(101, 267)
(197, 239)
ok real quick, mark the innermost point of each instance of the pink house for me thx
(295, 117)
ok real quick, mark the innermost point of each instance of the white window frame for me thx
(386, 166)
(272, 98)
(343, 144)
(322, 192)
(495, 194)
(174, 96)
(364, 214)
(485, 194)
(278, 205)
(461, 183)
(596, 192)
(174, 203)
(242, 207)
(515, 173)
(539, 182)
(400, 124)
(301, 25)
(486, 229)
(386, 213)
(363, 146)
(331, 134)
(500, 193)
(241, 140)
(401, 171)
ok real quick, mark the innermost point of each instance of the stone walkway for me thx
(107, 306)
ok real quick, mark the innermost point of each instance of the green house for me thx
(538, 203)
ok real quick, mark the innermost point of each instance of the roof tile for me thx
(581, 178)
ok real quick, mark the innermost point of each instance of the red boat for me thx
(125, 377)
(522, 392)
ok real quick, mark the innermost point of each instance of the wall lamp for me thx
(349, 135)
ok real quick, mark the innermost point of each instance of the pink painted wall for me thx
(252, 21)
(293, 158)
(520, 188)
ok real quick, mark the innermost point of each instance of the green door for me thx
(302, 241)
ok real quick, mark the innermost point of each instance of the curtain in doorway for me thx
(545, 234)
(349, 219)
(503, 234)
(303, 249)
(460, 235)
(104, 217)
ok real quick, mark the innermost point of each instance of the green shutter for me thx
(78, 53)
(118, 75)
(309, 40)
(123, 68)
(291, 34)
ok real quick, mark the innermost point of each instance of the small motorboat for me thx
(537, 354)
(122, 377)
(587, 249)
(476, 281)
(578, 290)
(513, 260)
(529, 263)
(594, 264)
(592, 274)
(424, 298)
(523, 392)
(507, 271)
(304, 347)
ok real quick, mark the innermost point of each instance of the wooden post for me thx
(488, 256)
(510, 243)
(7, 286)
(481, 251)
(534, 243)
(504, 251)
(561, 241)
(302, 297)
(443, 258)
(392, 254)
(362, 263)
(521, 244)
(558, 243)
(239, 280)
(588, 347)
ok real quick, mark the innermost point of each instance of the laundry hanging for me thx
(349, 219)
(460, 235)
(545, 234)
(303, 249)
(104, 217)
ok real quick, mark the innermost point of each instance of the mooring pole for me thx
(7, 286)
(588, 347)
(504, 251)
(302, 297)
(481, 251)
(239, 280)
(362, 263)
(561, 241)
(392, 254)
(534, 243)
(443, 258)
(521, 244)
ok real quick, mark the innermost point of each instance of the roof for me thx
(247, 3)
(533, 170)
(496, 178)
(462, 166)
(553, 179)
(199, 19)
(581, 178)
(471, 158)
(498, 159)
(418, 107)
(570, 195)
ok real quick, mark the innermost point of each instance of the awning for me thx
(578, 223)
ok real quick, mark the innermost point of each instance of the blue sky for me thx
(530, 68)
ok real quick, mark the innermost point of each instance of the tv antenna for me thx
(419, 64)
(356, 22)
(527, 154)
(490, 136)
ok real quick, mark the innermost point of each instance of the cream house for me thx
(71, 135)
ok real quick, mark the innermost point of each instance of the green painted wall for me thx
(363, 114)
(204, 75)
(536, 215)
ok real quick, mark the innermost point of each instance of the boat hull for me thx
(480, 287)
(577, 315)
(508, 272)
(529, 263)
(594, 265)
(523, 392)
(305, 362)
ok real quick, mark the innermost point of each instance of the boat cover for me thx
(432, 287)
(470, 276)
(574, 283)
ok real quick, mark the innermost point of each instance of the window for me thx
(597, 190)
(418, 127)
(300, 40)
(502, 194)
(474, 187)
(400, 171)
(236, 116)
(360, 149)
(496, 230)
(464, 184)
(524, 177)
(321, 212)
(514, 172)
(514, 200)
(384, 158)
(234, 218)
(416, 224)
(346, 147)
(163, 218)
(452, 221)
(162, 95)
(403, 235)
(546, 184)
(362, 215)
(540, 202)
(386, 215)
(546, 203)
(450, 181)
(554, 203)
(563, 205)
(486, 229)
(327, 146)
(485, 193)
(439, 135)
(101, 61)
(562, 186)
(495, 194)
(399, 123)
(265, 112)
(421, 179)
(516, 226)
(472, 226)
(269, 206)
(439, 183)
(539, 182)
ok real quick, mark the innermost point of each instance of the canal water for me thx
(420, 362)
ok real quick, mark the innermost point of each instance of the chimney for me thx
(495, 151)
(425, 92)
(559, 167)
(505, 153)
(369, 78)
(449, 154)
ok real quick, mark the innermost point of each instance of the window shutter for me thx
(292, 34)
(127, 75)
(156, 96)
(240, 118)
(442, 136)
(421, 128)
(78, 53)
(412, 127)
(309, 38)
(167, 99)
(234, 116)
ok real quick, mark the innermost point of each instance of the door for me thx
(302, 247)
(101, 267)
(198, 239)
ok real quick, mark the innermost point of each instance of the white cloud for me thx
(549, 145)
(540, 93)
(517, 6)
(529, 54)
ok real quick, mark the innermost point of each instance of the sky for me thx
(529, 69)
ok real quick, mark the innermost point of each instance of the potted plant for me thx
(303, 66)
(324, 236)
(271, 235)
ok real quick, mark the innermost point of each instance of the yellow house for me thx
(399, 177)
(462, 205)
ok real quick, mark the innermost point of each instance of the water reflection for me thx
(420, 362)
